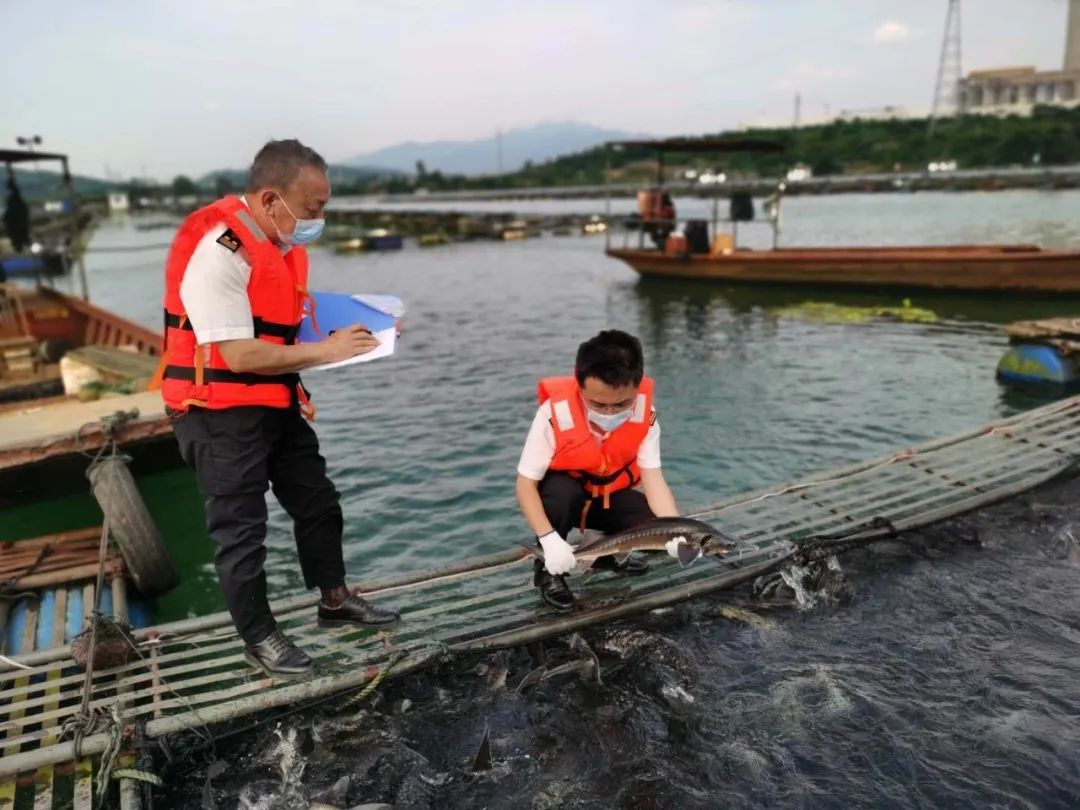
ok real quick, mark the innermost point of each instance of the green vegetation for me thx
(1051, 135)
(827, 312)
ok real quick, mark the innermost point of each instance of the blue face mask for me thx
(609, 421)
(306, 230)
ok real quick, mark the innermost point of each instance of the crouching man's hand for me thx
(558, 554)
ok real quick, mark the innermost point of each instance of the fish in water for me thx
(684, 538)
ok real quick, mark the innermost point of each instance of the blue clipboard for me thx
(335, 311)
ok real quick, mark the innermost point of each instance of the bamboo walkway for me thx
(54, 617)
(191, 673)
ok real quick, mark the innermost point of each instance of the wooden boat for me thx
(47, 336)
(701, 252)
(1017, 268)
(39, 420)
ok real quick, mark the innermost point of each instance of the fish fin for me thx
(533, 678)
(536, 552)
(687, 554)
(482, 761)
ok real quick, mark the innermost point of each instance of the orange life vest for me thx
(192, 374)
(604, 466)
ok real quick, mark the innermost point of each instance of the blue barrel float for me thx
(1042, 355)
(1038, 365)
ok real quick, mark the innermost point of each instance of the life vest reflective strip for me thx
(193, 374)
(604, 466)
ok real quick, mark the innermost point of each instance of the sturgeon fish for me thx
(690, 539)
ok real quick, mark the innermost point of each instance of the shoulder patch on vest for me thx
(229, 241)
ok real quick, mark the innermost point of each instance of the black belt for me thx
(285, 331)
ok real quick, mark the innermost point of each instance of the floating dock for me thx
(48, 595)
(191, 674)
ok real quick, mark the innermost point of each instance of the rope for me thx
(7, 586)
(903, 455)
(109, 755)
(83, 720)
(373, 684)
(11, 662)
(110, 427)
(139, 775)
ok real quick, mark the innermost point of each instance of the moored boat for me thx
(73, 378)
(1018, 268)
(700, 251)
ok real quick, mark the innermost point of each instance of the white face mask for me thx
(304, 232)
(609, 421)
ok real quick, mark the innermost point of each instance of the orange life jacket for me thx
(192, 374)
(604, 466)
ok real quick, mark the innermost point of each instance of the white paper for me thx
(385, 348)
(389, 304)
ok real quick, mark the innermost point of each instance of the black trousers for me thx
(564, 498)
(237, 454)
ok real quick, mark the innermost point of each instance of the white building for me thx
(1016, 90)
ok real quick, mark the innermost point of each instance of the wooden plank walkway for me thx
(39, 432)
(191, 673)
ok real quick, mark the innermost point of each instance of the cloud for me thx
(892, 31)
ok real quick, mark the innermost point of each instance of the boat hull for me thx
(1017, 268)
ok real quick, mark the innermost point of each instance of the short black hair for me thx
(613, 357)
(279, 163)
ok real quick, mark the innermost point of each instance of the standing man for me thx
(16, 216)
(235, 293)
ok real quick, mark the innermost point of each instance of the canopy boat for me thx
(57, 230)
(66, 365)
(700, 250)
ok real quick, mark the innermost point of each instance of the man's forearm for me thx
(532, 507)
(260, 357)
(658, 494)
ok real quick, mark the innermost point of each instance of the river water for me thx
(947, 680)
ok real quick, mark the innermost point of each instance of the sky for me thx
(161, 88)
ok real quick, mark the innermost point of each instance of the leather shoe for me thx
(276, 655)
(553, 590)
(354, 610)
(632, 564)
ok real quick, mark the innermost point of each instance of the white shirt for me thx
(214, 290)
(540, 446)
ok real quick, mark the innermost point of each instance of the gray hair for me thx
(279, 163)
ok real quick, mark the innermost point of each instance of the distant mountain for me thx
(338, 173)
(537, 143)
(44, 184)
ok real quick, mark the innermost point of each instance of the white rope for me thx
(11, 662)
(903, 455)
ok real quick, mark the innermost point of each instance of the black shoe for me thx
(355, 610)
(630, 565)
(276, 655)
(553, 590)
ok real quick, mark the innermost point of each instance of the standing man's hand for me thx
(349, 342)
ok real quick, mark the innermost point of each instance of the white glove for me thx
(673, 544)
(558, 554)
